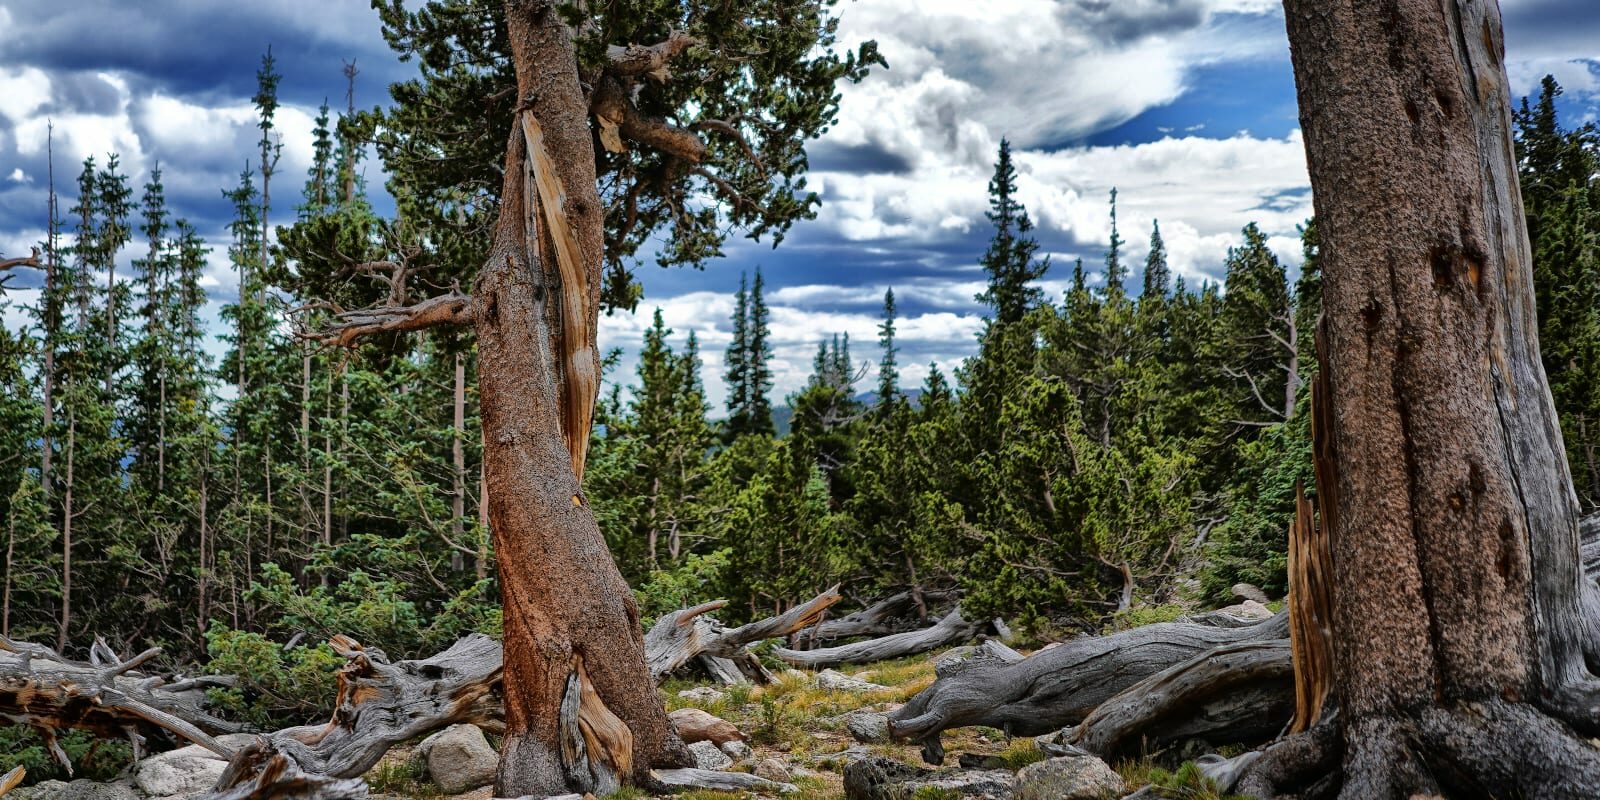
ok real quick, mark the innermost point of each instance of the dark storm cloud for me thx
(1122, 21)
(82, 93)
(857, 159)
(206, 51)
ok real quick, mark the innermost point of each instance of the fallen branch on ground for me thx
(950, 630)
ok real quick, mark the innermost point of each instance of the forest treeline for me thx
(1133, 442)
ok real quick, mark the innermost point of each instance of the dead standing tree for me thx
(572, 635)
(1462, 623)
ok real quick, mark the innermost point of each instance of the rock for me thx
(879, 778)
(480, 793)
(185, 772)
(707, 756)
(795, 674)
(694, 725)
(844, 757)
(1074, 777)
(869, 727)
(81, 789)
(1248, 591)
(775, 770)
(836, 681)
(702, 694)
(736, 750)
(459, 759)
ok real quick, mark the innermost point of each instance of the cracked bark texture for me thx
(1459, 600)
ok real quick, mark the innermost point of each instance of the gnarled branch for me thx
(453, 308)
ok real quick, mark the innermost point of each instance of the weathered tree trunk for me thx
(537, 303)
(1234, 694)
(1459, 634)
(1060, 686)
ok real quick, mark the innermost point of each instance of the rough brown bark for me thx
(1458, 598)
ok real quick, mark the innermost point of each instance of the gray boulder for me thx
(736, 750)
(869, 727)
(459, 759)
(185, 772)
(1073, 777)
(708, 756)
(836, 681)
(1248, 591)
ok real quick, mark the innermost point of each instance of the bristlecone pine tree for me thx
(593, 90)
(1462, 647)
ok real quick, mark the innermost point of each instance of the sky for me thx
(1186, 107)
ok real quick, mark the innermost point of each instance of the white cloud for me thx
(18, 176)
(22, 91)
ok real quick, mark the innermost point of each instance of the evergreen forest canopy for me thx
(1121, 451)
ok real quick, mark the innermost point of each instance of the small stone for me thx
(736, 750)
(459, 759)
(774, 770)
(702, 694)
(1248, 591)
(868, 727)
(1074, 777)
(707, 756)
(695, 725)
(836, 681)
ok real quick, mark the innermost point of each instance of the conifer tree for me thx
(888, 370)
(1010, 262)
(1157, 277)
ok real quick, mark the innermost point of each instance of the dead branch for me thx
(48, 692)
(453, 308)
(684, 636)
(635, 60)
(951, 629)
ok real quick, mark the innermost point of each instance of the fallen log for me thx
(1060, 686)
(684, 636)
(887, 616)
(378, 704)
(113, 698)
(278, 779)
(1234, 694)
(951, 629)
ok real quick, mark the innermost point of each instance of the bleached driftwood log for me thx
(953, 628)
(113, 698)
